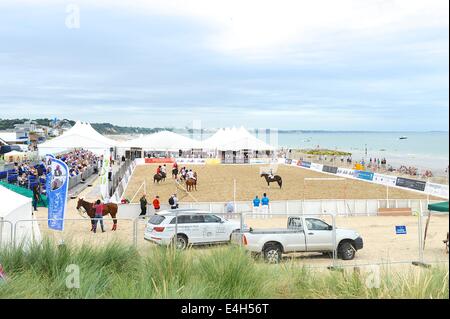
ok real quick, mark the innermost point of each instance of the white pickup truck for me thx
(303, 234)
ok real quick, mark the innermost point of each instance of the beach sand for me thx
(215, 184)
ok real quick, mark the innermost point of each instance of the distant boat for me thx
(403, 138)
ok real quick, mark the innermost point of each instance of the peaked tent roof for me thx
(81, 135)
(162, 141)
(10, 201)
(233, 139)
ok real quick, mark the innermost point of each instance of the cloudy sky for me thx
(334, 65)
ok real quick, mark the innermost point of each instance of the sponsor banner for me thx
(411, 183)
(330, 169)
(345, 172)
(294, 162)
(368, 176)
(305, 164)
(159, 160)
(288, 161)
(104, 182)
(317, 167)
(190, 160)
(438, 190)
(387, 180)
(57, 194)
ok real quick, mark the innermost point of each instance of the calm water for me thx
(421, 149)
(425, 150)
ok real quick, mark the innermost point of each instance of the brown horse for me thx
(276, 178)
(110, 209)
(191, 183)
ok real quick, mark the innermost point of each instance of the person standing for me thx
(36, 195)
(173, 201)
(99, 207)
(110, 172)
(256, 203)
(229, 209)
(143, 202)
(156, 204)
(265, 203)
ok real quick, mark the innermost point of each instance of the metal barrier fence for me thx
(311, 240)
(117, 177)
(6, 232)
(340, 207)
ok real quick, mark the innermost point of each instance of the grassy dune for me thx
(119, 271)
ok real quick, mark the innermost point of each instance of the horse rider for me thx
(99, 208)
(271, 176)
(158, 170)
(191, 175)
(183, 172)
(163, 170)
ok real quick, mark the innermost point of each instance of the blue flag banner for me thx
(57, 193)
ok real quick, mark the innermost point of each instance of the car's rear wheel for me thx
(346, 251)
(181, 242)
(272, 254)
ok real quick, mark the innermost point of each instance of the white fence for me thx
(339, 207)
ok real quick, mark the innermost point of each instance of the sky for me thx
(307, 65)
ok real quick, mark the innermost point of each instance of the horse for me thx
(110, 209)
(191, 183)
(159, 177)
(276, 178)
(175, 173)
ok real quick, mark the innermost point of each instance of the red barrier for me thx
(159, 160)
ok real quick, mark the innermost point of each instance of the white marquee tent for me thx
(235, 139)
(81, 135)
(162, 141)
(16, 207)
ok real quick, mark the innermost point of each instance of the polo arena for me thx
(216, 184)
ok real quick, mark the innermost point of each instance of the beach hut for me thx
(441, 207)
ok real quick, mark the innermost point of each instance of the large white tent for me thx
(81, 135)
(162, 141)
(15, 207)
(235, 139)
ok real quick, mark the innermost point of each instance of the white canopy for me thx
(16, 207)
(81, 135)
(234, 140)
(162, 141)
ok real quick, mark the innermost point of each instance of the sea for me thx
(424, 150)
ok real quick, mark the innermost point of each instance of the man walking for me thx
(143, 202)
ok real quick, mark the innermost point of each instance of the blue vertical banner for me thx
(57, 194)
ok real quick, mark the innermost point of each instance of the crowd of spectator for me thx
(79, 161)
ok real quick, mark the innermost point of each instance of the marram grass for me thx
(119, 271)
